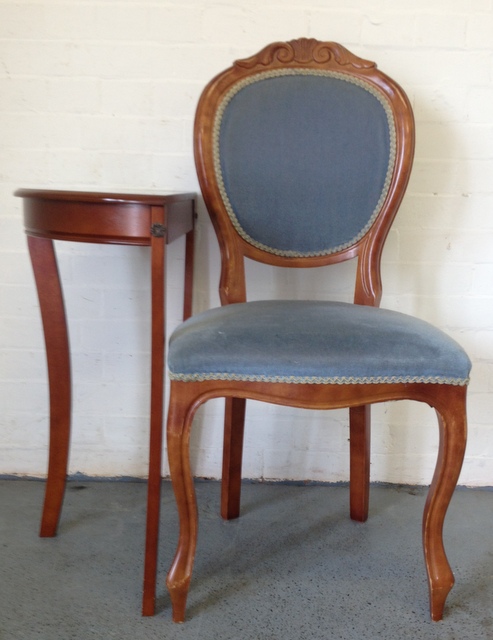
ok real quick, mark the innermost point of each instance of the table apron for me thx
(105, 223)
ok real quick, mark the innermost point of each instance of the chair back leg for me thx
(234, 426)
(359, 461)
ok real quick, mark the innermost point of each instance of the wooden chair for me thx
(303, 153)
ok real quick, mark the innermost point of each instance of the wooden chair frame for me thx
(448, 400)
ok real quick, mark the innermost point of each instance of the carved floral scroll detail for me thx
(304, 51)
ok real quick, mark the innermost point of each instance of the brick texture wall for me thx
(100, 95)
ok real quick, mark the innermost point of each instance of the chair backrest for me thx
(303, 153)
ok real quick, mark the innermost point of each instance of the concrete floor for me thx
(294, 566)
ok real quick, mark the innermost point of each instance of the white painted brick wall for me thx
(101, 95)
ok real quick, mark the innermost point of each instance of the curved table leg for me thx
(453, 434)
(58, 358)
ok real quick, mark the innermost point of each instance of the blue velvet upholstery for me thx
(304, 160)
(313, 341)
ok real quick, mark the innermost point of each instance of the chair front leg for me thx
(180, 416)
(453, 436)
(359, 462)
(234, 426)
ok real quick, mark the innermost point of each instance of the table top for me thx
(147, 198)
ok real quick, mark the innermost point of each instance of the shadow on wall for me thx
(421, 274)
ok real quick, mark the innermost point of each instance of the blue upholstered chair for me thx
(303, 154)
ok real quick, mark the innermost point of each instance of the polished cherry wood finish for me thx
(105, 218)
(186, 397)
(448, 401)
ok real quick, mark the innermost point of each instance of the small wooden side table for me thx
(105, 218)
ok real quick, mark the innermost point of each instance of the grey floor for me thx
(293, 566)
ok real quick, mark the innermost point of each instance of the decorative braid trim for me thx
(306, 72)
(202, 377)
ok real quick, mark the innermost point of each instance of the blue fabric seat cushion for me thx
(313, 342)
